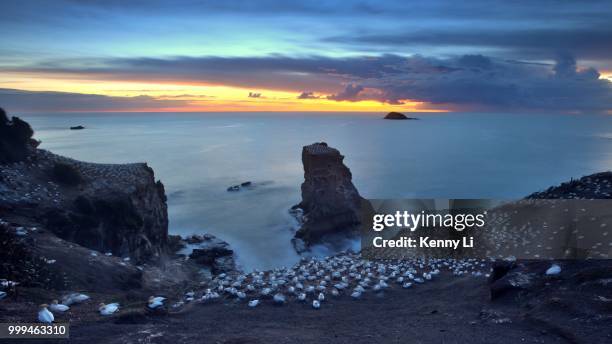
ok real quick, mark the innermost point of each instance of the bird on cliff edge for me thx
(108, 309)
(44, 316)
(156, 302)
(58, 307)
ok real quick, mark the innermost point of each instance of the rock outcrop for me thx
(397, 115)
(331, 206)
(211, 252)
(79, 211)
(15, 139)
(119, 209)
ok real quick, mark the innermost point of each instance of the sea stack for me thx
(397, 115)
(331, 205)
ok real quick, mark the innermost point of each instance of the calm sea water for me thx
(197, 156)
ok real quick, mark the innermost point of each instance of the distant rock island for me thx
(397, 115)
(77, 127)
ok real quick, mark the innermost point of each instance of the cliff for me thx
(90, 217)
(15, 139)
(331, 205)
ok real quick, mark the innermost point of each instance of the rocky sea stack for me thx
(331, 208)
(397, 115)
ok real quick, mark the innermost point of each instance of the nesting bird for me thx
(156, 302)
(57, 307)
(74, 298)
(44, 315)
(108, 309)
(554, 269)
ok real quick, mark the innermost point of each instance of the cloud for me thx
(34, 101)
(468, 82)
(482, 83)
(591, 42)
(308, 95)
(350, 93)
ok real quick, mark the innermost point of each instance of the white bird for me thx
(279, 298)
(241, 295)
(553, 270)
(253, 303)
(156, 301)
(57, 307)
(2, 295)
(321, 297)
(108, 309)
(44, 315)
(74, 298)
(356, 294)
(407, 285)
(316, 304)
(302, 297)
(335, 292)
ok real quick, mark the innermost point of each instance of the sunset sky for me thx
(499, 56)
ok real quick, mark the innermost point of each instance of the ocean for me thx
(198, 155)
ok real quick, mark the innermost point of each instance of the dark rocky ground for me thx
(448, 310)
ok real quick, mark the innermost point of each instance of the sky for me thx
(489, 56)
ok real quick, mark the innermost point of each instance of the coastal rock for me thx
(116, 208)
(397, 115)
(211, 252)
(247, 184)
(37, 258)
(331, 206)
(124, 212)
(15, 139)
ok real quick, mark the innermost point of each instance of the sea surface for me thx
(198, 155)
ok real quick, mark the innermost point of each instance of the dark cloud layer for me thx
(587, 43)
(473, 82)
(31, 101)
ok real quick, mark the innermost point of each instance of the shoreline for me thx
(142, 262)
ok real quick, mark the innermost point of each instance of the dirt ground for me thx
(448, 310)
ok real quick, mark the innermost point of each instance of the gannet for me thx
(321, 297)
(44, 315)
(56, 307)
(74, 298)
(2, 295)
(108, 309)
(316, 304)
(253, 303)
(302, 297)
(156, 301)
(279, 298)
(553, 270)
(356, 294)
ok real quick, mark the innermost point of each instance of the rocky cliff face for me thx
(331, 205)
(118, 209)
(15, 139)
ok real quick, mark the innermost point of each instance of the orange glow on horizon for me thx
(202, 98)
